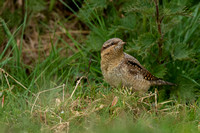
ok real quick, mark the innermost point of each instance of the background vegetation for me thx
(50, 77)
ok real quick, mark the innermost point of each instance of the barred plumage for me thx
(119, 68)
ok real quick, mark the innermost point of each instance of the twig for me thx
(158, 21)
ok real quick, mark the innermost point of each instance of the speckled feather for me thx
(119, 68)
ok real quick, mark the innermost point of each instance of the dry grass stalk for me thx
(63, 98)
(41, 93)
(77, 83)
(61, 127)
(165, 102)
(8, 75)
(156, 101)
(148, 95)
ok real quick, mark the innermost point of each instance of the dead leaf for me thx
(114, 102)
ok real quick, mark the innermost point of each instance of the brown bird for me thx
(122, 69)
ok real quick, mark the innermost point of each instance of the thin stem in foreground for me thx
(159, 21)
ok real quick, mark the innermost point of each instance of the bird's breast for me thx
(111, 72)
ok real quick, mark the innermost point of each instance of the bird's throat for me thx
(111, 60)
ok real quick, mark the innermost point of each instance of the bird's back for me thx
(137, 70)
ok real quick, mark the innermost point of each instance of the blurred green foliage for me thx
(134, 21)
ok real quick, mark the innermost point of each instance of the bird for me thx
(121, 69)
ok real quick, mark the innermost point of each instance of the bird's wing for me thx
(136, 68)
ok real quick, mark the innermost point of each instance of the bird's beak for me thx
(122, 43)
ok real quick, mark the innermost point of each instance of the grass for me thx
(50, 68)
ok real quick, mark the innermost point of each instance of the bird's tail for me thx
(161, 82)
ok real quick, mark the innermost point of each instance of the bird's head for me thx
(112, 46)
